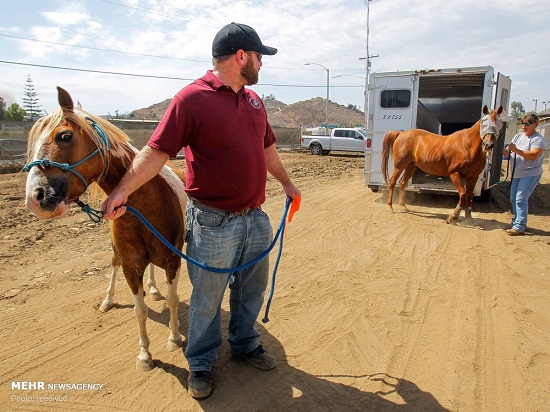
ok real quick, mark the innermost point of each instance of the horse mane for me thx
(119, 141)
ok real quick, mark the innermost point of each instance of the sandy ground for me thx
(372, 311)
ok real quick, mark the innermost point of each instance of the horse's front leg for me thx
(457, 181)
(108, 302)
(152, 284)
(133, 272)
(175, 340)
(144, 361)
(469, 197)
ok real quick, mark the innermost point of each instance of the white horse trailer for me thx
(441, 101)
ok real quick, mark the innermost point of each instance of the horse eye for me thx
(64, 136)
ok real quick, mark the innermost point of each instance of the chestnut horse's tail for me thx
(387, 145)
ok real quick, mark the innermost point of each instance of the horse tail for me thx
(387, 145)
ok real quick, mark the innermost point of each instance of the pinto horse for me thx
(70, 149)
(460, 155)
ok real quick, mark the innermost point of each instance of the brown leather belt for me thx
(207, 208)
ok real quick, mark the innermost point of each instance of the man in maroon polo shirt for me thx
(229, 148)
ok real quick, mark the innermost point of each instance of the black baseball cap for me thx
(237, 36)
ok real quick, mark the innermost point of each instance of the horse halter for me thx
(45, 162)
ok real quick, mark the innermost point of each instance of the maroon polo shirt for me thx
(223, 135)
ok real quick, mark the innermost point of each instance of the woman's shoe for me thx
(514, 232)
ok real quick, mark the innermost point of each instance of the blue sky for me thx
(163, 45)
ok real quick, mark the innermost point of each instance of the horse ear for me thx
(65, 100)
(499, 111)
(485, 109)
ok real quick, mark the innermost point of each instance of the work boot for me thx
(258, 358)
(199, 384)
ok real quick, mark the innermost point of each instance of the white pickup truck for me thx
(341, 139)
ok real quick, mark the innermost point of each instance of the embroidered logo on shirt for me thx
(255, 103)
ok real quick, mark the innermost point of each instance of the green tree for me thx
(15, 113)
(30, 101)
(2, 108)
(517, 110)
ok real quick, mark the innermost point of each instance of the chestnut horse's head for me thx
(66, 153)
(491, 123)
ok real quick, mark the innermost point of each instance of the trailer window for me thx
(395, 98)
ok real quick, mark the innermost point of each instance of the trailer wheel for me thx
(316, 149)
(374, 189)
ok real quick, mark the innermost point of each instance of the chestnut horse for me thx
(70, 149)
(461, 156)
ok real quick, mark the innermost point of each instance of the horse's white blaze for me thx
(34, 180)
(33, 203)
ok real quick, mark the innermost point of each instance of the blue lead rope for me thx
(93, 214)
(202, 265)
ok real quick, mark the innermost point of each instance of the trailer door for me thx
(502, 95)
(502, 98)
(393, 101)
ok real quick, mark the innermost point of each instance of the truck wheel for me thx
(316, 149)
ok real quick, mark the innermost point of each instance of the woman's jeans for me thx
(520, 190)
(225, 240)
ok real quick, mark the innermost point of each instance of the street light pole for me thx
(545, 103)
(535, 100)
(326, 108)
(367, 71)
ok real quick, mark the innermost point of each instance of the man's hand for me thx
(114, 206)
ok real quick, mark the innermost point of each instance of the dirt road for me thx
(372, 311)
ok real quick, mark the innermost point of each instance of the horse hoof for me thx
(154, 294)
(451, 220)
(174, 344)
(105, 306)
(144, 365)
(404, 209)
(390, 209)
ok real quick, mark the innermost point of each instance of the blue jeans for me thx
(520, 190)
(225, 240)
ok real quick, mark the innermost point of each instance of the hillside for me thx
(308, 113)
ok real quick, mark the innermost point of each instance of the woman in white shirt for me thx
(528, 148)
